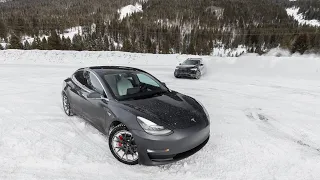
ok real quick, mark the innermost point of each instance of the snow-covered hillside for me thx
(264, 112)
(68, 33)
(129, 9)
(294, 12)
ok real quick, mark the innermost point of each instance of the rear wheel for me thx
(66, 105)
(123, 146)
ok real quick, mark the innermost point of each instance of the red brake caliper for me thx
(121, 139)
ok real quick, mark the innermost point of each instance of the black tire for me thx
(176, 75)
(66, 105)
(198, 75)
(118, 130)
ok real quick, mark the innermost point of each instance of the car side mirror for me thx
(94, 95)
(164, 84)
(179, 63)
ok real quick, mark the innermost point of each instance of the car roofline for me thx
(114, 67)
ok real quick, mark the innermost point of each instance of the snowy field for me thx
(265, 119)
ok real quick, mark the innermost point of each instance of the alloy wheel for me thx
(66, 105)
(124, 146)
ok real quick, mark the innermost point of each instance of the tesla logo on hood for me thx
(193, 120)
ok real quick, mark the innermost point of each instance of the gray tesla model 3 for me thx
(145, 122)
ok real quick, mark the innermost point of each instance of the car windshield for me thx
(191, 62)
(132, 84)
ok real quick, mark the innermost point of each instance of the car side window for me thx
(79, 77)
(94, 84)
(147, 80)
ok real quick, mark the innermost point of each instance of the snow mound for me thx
(129, 9)
(293, 11)
(278, 52)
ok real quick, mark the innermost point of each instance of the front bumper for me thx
(185, 73)
(159, 150)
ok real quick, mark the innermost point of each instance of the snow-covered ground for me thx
(294, 12)
(264, 110)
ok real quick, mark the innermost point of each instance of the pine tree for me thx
(166, 47)
(36, 43)
(63, 43)
(154, 48)
(26, 45)
(15, 43)
(1, 47)
(112, 45)
(54, 41)
(44, 44)
(191, 48)
(148, 45)
(210, 45)
(300, 44)
(77, 43)
(185, 45)
(106, 43)
(126, 46)
(3, 30)
(68, 43)
(99, 43)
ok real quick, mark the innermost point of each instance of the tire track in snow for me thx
(268, 124)
(57, 135)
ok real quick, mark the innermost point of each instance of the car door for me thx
(95, 110)
(75, 99)
(75, 92)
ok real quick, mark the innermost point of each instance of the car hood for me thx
(171, 110)
(186, 66)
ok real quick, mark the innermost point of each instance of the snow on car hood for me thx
(171, 110)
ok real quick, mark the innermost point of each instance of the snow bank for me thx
(259, 65)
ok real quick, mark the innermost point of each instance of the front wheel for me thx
(123, 146)
(198, 75)
(176, 74)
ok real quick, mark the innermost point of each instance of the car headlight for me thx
(194, 69)
(151, 127)
(177, 68)
(205, 110)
